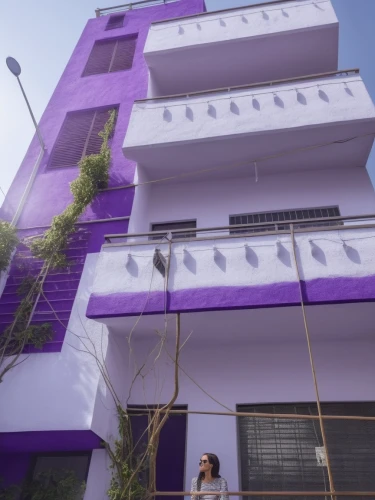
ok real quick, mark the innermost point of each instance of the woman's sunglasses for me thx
(201, 462)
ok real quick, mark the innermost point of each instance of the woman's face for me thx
(204, 464)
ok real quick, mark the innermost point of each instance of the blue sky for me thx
(43, 37)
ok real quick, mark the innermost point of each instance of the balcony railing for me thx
(272, 83)
(131, 6)
(249, 230)
(233, 9)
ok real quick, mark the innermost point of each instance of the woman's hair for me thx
(215, 462)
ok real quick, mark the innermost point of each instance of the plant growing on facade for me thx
(49, 485)
(94, 175)
(20, 333)
(8, 243)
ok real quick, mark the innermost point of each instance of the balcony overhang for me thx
(242, 45)
(321, 121)
(232, 271)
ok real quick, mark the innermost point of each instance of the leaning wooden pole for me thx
(313, 371)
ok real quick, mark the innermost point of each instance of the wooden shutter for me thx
(79, 136)
(71, 140)
(124, 54)
(115, 22)
(100, 58)
(108, 56)
(94, 140)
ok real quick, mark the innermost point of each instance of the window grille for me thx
(282, 218)
(282, 454)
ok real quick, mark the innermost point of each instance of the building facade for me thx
(238, 192)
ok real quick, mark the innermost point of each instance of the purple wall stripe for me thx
(318, 291)
(48, 441)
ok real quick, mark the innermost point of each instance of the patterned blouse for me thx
(218, 484)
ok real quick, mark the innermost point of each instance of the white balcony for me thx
(241, 271)
(243, 45)
(315, 122)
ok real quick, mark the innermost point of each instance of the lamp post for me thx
(15, 69)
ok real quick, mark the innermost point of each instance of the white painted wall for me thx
(232, 268)
(250, 373)
(211, 203)
(295, 16)
(58, 391)
(138, 222)
(99, 476)
(148, 125)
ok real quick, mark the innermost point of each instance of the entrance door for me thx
(170, 461)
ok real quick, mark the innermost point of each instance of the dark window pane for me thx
(115, 22)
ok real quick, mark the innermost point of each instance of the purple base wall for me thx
(318, 291)
(17, 449)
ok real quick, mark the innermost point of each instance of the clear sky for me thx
(41, 35)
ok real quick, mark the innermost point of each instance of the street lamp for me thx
(15, 69)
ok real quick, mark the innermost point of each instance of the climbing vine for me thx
(124, 461)
(93, 176)
(8, 243)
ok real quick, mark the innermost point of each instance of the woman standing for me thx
(209, 479)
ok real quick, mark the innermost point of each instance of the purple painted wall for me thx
(317, 291)
(50, 193)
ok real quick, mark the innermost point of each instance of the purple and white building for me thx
(230, 118)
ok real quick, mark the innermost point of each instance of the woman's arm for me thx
(223, 489)
(193, 488)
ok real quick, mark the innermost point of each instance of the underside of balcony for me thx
(316, 123)
(241, 46)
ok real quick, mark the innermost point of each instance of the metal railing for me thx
(313, 225)
(140, 4)
(315, 76)
(233, 9)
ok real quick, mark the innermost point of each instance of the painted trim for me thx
(318, 291)
(48, 441)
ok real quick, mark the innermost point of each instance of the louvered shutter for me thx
(71, 140)
(94, 140)
(124, 54)
(115, 22)
(79, 136)
(100, 58)
(281, 454)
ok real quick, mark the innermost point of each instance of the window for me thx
(170, 226)
(79, 137)
(108, 56)
(282, 454)
(52, 466)
(115, 22)
(279, 218)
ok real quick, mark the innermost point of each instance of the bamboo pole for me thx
(290, 416)
(312, 364)
(271, 493)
